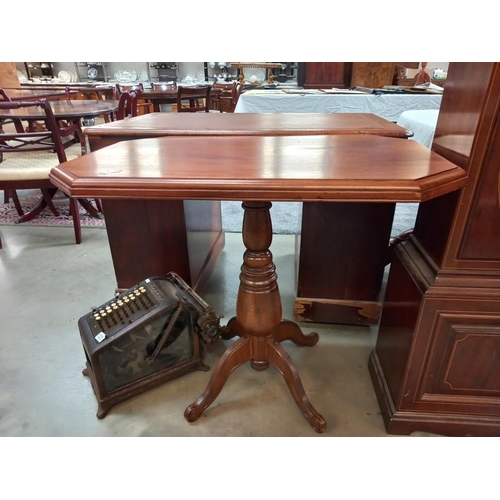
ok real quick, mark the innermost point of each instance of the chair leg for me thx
(73, 209)
(47, 196)
(17, 203)
(98, 204)
(9, 194)
(89, 207)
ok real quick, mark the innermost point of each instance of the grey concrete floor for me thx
(48, 282)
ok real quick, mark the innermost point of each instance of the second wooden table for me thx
(338, 279)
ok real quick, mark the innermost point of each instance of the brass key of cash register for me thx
(144, 337)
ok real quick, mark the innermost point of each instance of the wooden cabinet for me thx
(345, 74)
(312, 75)
(8, 76)
(436, 364)
(372, 74)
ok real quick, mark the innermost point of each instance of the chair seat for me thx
(31, 166)
(30, 173)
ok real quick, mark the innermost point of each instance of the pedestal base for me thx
(258, 322)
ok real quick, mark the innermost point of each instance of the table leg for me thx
(258, 321)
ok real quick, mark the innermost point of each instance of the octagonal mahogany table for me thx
(258, 170)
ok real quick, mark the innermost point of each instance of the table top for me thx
(388, 106)
(64, 109)
(169, 93)
(159, 93)
(61, 85)
(33, 94)
(161, 124)
(286, 168)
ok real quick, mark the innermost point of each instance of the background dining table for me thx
(167, 95)
(386, 105)
(65, 110)
(73, 111)
(38, 93)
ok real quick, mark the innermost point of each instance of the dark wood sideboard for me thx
(312, 75)
(436, 364)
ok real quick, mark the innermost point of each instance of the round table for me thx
(65, 110)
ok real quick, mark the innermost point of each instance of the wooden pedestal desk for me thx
(255, 170)
(336, 282)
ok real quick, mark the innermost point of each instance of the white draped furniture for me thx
(388, 106)
(422, 123)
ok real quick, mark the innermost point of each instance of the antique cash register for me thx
(145, 336)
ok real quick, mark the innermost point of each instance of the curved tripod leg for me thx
(233, 329)
(278, 356)
(234, 356)
(288, 330)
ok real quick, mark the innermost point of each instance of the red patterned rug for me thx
(9, 215)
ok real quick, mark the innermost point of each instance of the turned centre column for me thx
(258, 308)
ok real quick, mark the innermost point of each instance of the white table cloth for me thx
(422, 123)
(388, 106)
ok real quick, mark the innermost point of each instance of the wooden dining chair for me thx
(193, 99)
(219, 99)
(35, 175)
(17, 123)
(143, 106)
(229, 102)
(11, 194)
(127, 105)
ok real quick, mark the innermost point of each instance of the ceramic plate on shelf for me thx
(92, 73)
(143, 76)
(200, 77)
(64, 76)
(123, 76)
(261, 76)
